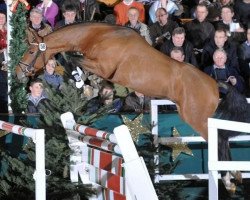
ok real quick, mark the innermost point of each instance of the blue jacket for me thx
(220, 75)
(54, 80)
(209, 49)
(35, 103)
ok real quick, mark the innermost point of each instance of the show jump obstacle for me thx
(108, 161)
(38, 138)
(213, 164)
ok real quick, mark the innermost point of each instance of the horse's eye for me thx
(31, 52)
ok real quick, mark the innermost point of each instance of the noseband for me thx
(29, 68)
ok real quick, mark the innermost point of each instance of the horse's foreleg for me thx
(90, 65)
(95, 67)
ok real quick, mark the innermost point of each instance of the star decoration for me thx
(3, 133)
(135, 126)
(177, 147)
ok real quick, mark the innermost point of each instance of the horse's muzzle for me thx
(21, 76)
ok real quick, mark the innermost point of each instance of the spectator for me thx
(36, 24)
(169, 6)
(161, 30)
(177, 54)
(225, 3)
(242, 12)
(121, 11)
(50, 77)
(3, 69)
(215, 8)
(49, 11)
(235, 31)
(136, 102)
(178, 40)
(244, 61)
(76, 5)
(220, 71)
(220, 41)
(69, 16)
(141, 28)
(35, 97)
(199, 30)
(106, 97)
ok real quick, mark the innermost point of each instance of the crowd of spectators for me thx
(211, 35)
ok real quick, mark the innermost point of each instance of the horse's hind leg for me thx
(225, 155)
(237, 176)
(226, 179)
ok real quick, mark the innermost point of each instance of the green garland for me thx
(18, 46)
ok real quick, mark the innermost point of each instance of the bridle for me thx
(29, 68)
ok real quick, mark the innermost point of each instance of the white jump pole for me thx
(7, 58)
(38, 137)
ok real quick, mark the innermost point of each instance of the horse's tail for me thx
(234, 107)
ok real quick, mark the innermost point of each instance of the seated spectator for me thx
(242, 10)
(222, 3)
(178, 40)
(169, 5)
(69, 16)
(177, 54)
(162, 29)
(136, 102)
(220, 41)
(244, 60)
(220, 71)
(36, 24)
(134, 23)
(49, 11)
(235, 31)
(78, 5)
(50, 77)
(106, 97)
(121, 11)
(35, 97)
(199, 30)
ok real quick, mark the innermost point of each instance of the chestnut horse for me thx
(122, 56)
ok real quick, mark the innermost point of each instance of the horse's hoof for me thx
(231, 189)
(237, 176)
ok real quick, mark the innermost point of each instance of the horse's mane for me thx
(89, 23)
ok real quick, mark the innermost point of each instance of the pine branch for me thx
(18, 46)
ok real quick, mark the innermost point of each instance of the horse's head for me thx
(33, 59)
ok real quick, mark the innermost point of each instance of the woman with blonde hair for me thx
(50, 77)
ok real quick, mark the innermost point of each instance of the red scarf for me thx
(3, 39)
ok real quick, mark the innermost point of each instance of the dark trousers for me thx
(3, 92)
